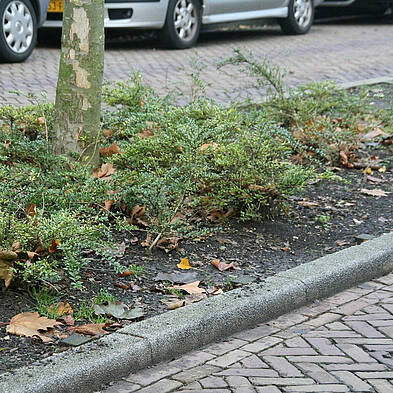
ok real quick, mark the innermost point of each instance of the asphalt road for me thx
(340, 51)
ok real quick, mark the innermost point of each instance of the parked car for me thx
(19, 20)
(351, 7)
(180, 21)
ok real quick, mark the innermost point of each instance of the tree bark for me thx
(79, 87)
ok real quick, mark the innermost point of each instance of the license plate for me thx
(55, 6)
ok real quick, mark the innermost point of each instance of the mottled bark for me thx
(78, 94)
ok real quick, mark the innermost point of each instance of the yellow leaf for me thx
(368, 171)
(382, 169)
(184, 264)
(7, 259)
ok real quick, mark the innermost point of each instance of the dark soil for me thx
(326, 218)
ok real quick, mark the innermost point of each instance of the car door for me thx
(224, 10)
(270, 4)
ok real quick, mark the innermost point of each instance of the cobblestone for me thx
(346, 355)
(339, 52)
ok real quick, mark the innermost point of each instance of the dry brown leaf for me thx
(147, 241)
(7, 144)
(344, 160)
(174, 304)
(31, 210)
(29, 324)
(108, 204)
(108, 133)
(146, 134)
(307, 203)
(168, 243)
(91, 329)
(374, 134)
(7, 259)
(222, 266)
(53, 246)
(184, 264)
(41, 121)
(191, 288)
(138, 216)
(105, 172)
(110, 151)
(377, 192)
(208, 146)
(68, 320)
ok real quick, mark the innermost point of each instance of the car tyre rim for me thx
(185, 20)
(302, 11)
(18, 27)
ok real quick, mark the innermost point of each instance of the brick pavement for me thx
(340, 344)
(340, 52)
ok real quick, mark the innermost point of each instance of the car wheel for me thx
(18, 30)
(182, 24)
(300, 17)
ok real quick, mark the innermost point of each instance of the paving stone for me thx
(316, 389)
(162, 386)
(253, 361)
(364, 329)
(317, 373)
(282, 366)
(229, 358)
(324, 346)
(354, 382)
(123, 387)
(280, 350)
(355, 367)
(381, 385)
(190, 360)
(225, 346)
(249, 372)
(323, 319)
(260, 345)
(268, 389)
(337, 326)
(319, 359)
(375, 375)
(244, 389)
(201, 391)
(213, 382)
(356, 353)
(236, 381)
(195, 373)
(297, 342)
(351, 307)
(152, 374)
(257, 333)
(281, 381)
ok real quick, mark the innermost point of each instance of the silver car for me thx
(180, 21)
(19, 20)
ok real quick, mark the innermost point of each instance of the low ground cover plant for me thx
(172, 171)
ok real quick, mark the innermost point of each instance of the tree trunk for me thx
(79, 86)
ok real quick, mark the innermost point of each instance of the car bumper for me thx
(130, 14)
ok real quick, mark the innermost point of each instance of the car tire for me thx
(300, 17)
(18, 30)
(182, 24)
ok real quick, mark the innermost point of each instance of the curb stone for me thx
(173, 333)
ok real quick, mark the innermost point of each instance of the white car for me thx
(180, 21)
(19, 20)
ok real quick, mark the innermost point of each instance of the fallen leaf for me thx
(374, 134)
(108, 133)
(118, 310)
(147, 241)
(382, 169)
(68, 320)
(110, 151)
(368, 171)
(191, 288)
(307, 203)
(375, 192)
(168, 243)
(138, 216)
(108, 205)
(146, 134)
(105, 172)
(184, 264)
(29, 324)
(53, 246)
(31, 210)
(208, 146)
(374, 180)
(177, 303)
(91, 329)
(222, 266)
(7, 259)
(41, 121)
(344, 160)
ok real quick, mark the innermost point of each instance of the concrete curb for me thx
(365, 82)
(162, 337)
